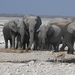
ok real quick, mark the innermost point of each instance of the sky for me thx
(39, 7)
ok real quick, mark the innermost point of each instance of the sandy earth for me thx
(20, 62)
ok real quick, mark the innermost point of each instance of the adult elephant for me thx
(48, 34)
(68, 29)
(23, 35)
(32, 24)
(10, 32)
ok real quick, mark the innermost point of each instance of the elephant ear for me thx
(74, 32)
(39, 20)
(50, 31)
(25, 26)
(71, 27)
(25, 19)
(26, 32)
(13, 25)
(16, 22)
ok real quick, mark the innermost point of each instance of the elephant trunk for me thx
(21, 38)
(31, 40)
(43, 43)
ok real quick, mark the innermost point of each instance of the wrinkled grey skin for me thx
(32, 23)
(69, 37)
(62, 48)
(42, 36)
(68, 32)
(23, 37)
(10, 32)
(49, 35)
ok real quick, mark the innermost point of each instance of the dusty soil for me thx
(20, 62)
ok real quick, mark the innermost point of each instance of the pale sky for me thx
(38, 7)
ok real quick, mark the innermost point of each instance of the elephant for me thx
(49, 35)
(68, 31)
(10, 32)
(15, 28)
(23, 35)
(32, 24)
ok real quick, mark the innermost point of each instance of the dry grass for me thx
(14, 50)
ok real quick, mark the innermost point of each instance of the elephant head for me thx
(13, 25)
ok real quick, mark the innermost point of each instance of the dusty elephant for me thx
(23, 35)
(68, 34)
(49, 35)
(10, 32)
(32, 23)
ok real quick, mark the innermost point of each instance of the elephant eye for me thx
(13, 26)
(31, 31)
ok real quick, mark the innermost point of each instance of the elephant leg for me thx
(63, 46)
(46, 46)
(13, 42)
(70, 47)
(19, 42)
(16, 45)
(6, 43)
(24, 45)
(55, 47)
(27, 43)
(50, 47)
(68, 39)
(10, 43)
(36, 45)
(41, 46)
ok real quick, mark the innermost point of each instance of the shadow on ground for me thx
(64, 61)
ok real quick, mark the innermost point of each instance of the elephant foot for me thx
(56, 50)
(61, 49)
(27, 49)
(70, 52)
(13, 48)
(6, 48)
(19, 49)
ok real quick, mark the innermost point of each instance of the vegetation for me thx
(42, 16)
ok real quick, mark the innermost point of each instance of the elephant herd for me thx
(30, 31)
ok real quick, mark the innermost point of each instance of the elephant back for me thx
(71, 27)
(57, 30)
(60, 24)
